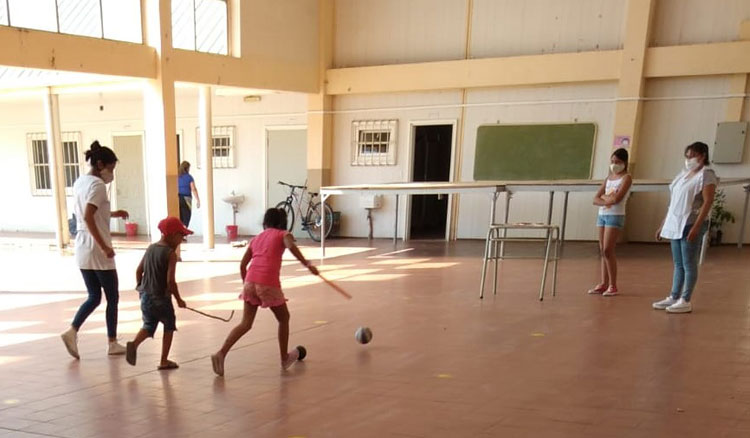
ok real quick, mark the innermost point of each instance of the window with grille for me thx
(39, 161)
(222, 147)
(374, 143)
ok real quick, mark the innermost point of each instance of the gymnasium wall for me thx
(123, 113)
(676, 111)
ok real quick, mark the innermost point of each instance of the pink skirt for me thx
(262, 295)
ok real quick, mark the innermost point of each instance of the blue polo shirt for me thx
(183, 184)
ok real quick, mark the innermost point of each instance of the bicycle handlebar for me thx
(291, 185)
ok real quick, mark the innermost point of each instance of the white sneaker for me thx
(70, 339)
(293, 356)
(681, 306)
(663, 304)
(115, 349)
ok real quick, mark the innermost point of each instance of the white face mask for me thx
(691, 163)
(107, 176)
(616, 168)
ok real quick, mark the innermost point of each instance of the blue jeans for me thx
(95, 282)
(685, 257)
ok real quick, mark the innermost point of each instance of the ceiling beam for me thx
(210, 69)
(38, 49)
(698, 59)
(474, 73)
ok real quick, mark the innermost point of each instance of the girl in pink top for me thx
(262, 286)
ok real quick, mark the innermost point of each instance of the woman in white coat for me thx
(691, 197)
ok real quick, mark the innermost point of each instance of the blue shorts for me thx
(157, 311)
(611, 220)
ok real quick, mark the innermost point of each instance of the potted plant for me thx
(719, 216)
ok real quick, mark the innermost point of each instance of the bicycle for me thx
(312, 216)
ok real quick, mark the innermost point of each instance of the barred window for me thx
(374, 143)
(222, 147)
(39, 161)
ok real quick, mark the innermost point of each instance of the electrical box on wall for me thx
(371, 201)
(730, 142)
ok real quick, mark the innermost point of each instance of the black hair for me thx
(622, 155)
(274, 218)
(184, 167)
(699, 148)
(98, 153)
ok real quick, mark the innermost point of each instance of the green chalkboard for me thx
(534, 152)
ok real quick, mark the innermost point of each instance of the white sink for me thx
(234, 199)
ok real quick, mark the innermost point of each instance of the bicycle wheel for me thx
(287, 207)
(314, 219)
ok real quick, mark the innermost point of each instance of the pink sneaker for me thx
(599, 288)
(612, 291)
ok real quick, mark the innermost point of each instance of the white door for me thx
(129, 184)
(286, 161)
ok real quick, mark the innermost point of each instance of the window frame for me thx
(368, 134)
(66, 137)
(218, 132)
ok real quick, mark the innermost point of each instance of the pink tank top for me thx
(265, 265)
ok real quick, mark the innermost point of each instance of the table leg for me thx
(549, 208)
(323, 226)
(508, 196)
(484, 264)
(744, 217)
(546, 262)
(564, 218)
(395, 224)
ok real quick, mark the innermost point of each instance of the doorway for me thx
(286, 160)
(130, 190)
(431, 162)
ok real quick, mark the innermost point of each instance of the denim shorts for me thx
(611, 220)
(157, 311)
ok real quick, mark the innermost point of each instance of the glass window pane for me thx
(211, 26)
(122, 20)
(183, 25)
(33, 14)
(80, 17)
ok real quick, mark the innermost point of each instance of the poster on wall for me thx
(621, 141)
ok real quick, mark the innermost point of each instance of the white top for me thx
(611, 187)
(90, 189)
(685, 200)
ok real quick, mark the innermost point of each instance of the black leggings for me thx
(186, 209)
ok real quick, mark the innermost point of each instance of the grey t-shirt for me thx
(708, 178)
(155, 267)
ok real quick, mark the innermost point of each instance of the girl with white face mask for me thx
(93, 246)
(611, 198)
(691, 196)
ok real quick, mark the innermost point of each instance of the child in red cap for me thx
(156, 285)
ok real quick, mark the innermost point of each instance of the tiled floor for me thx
(442, 363)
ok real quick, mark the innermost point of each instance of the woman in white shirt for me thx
(93, 246)
(691, 197)
(611, 199)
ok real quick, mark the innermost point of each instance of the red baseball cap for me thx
(171, 225)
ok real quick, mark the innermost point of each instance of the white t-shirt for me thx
(611, 187)
(90, 189)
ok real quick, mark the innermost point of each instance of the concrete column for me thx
(738, 84)
(206, 130)
(159, 119)
(458, 153)
(234, 34)
(56, 168)
(628, 108)
(319, 119)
